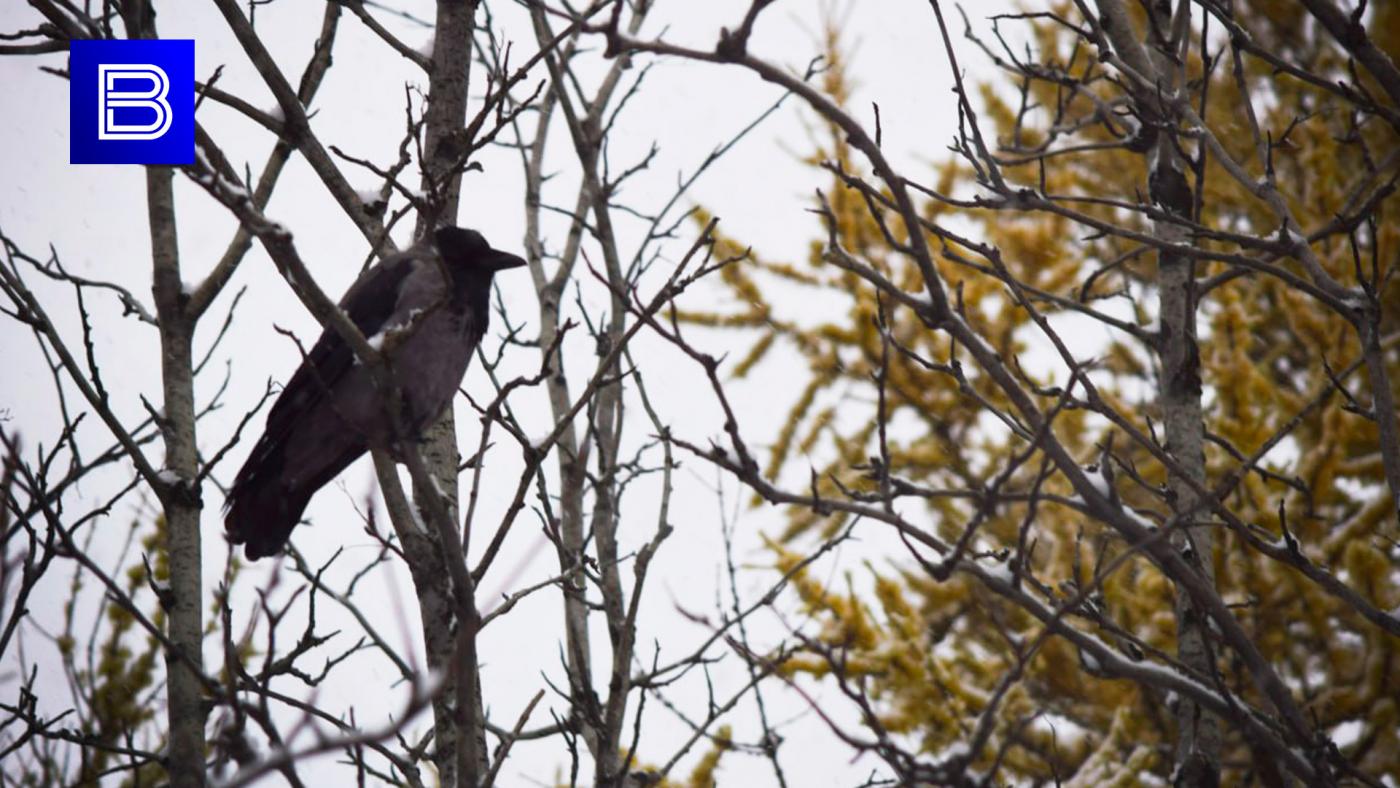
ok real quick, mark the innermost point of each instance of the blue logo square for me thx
(131, 102)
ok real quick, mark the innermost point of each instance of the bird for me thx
(426, 309)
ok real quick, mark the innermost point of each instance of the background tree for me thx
(1164, 314)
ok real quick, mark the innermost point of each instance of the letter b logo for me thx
(131, 102)
(109, 100)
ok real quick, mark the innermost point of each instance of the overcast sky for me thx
(94, 216)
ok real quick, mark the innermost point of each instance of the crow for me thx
(426, 309)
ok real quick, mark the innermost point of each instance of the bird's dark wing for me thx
(265, 502)
(369, 303)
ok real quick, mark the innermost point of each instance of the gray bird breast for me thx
(428, 342)
(432, 361)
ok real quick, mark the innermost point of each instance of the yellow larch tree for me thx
(1303, 524)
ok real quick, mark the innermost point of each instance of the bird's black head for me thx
(466, 249)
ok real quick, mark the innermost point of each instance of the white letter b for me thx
(108, 100)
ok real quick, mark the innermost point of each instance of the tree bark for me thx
(571, 457)
(179, 498)
(601, 724)
(1179, 394)
(449, 635)
(1197, 759)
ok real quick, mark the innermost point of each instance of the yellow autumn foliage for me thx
(932, 652)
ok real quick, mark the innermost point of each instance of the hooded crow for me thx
(426, 309)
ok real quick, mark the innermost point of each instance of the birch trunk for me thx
(179, 499)
(1197, 758)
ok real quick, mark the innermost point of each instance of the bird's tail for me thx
(262, 513)
(261, 509)
(264, 506)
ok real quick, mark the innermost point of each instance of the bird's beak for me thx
(500, 261)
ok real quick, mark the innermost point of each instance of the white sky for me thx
(95, 218)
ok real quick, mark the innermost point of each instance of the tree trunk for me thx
(1197, 760)
(459, 746)
(1179, 394)
(180, 499)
